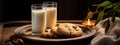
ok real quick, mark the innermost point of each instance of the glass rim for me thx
(50, 2)
(36, 5)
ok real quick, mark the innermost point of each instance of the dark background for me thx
(1, 9)
(67, 9)
(21, 9)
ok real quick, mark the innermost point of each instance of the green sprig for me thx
(114, 10)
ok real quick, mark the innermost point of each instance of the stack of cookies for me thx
(63, 30)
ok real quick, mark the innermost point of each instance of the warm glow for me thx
(88, 22)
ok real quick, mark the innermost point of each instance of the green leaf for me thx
(100, 16)
(107, 25)
(89, 15)
(107, 14)
(109, 6)
(113, 17)
(105, 3)
(117, 10)
(116, 5)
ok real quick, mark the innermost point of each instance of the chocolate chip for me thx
(46, 30)
(57, 24)
(74, 27)
(66, 26)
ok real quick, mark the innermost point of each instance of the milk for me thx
(51, 14)
(38, 21)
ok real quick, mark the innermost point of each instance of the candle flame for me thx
(88, 22)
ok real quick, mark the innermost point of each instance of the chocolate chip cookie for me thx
(67, 30)
(64, 30)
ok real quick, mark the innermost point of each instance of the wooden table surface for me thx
(9, 28)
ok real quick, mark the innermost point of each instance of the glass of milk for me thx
(38, 18)
(51, 14)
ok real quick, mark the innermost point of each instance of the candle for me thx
(88, 23)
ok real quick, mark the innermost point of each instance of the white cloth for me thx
(112, 38)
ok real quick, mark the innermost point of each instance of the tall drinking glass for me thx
(51, 14)
(38, 18)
